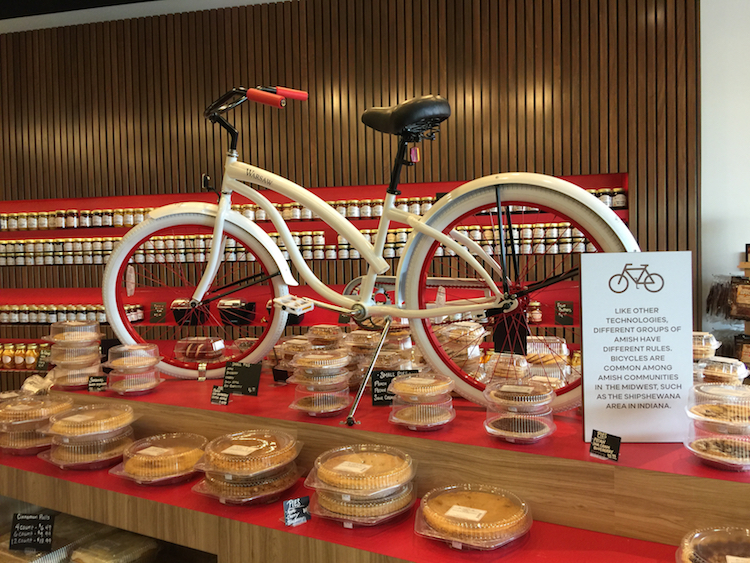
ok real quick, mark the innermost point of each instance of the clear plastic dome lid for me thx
(364, 467)
(91, 419)
(197, 348)
(89, 453)
(363, 512)
(730, 545)
(422, 385)
(30, 412)
(321, 403)
(163, 455)
(251, 451)
(324, 332)
(321, 359)
(332, 382)
(520, 428)
(460, 334)
(721, 405)
(422, 416)
(133, 356)
(507, 366)
(75, 357)
(546, 349)
(519, 393)
(705, 340)
(389, 360)
(722, 370)
(74, 333)
(363, 339)
(132, 383)
(246, 490)
(724, 451)
(75, 377)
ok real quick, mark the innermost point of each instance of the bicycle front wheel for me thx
(546, 223)
(158, 265)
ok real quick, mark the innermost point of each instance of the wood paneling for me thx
(559, 87)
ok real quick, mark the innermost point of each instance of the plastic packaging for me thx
(67, 357)
(362, 512)
(389, 360)
(321, 383)
(506, 366)
(520, 428)
(723, 451)
(321, 404)
(714, 544)
(720, 408)
(362, 468)
(722, 370)
(251, 452)
(262, 489)
(456, 336)
(118, 547)
(422, 416)
(523, 396)
(74, 378)
(90, 454)
(324, 334)
(133, 357)
(199, 348)
(422, 387)
(74, 333)
(292, 347)
(704, 345)
(91, 420)
(138, 383)
(30, 413)
(362, 341)
(476, 516)
(28, 442)
(321, 362)
(161, 459)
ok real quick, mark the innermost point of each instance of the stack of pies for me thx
(75, 352)
(479, 516)
(363, 485)
(715, 545)
(506, 366)
(89, 437)
(461, 341)
(161, 459)
(328, 336)
(21, 420)
(250, 466)
(519, 411)
(722, 370)
(322, 380)
(133, 369)
(704, 345)
(548, 358)
(422, 401)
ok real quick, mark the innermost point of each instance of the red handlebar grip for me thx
(291, 94)
(274, 100)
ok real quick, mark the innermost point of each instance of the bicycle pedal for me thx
(293, 304)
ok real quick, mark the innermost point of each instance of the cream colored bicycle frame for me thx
(236, 173)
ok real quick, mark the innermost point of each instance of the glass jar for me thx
(330, 251)
(488, 247)
(590, 247)
(353, 253)
(439, 250)
(305, 214)
(619, 198)
(402, 203)
(551, 230)
(32, 222)
(20, 259)
(565, 246)
(526, 231)
(96, 218)
(42, 221)
(537, 231)
(399, 248)
(488, 232)
(23, 314)
(101, 315)
(12, 221)
(71, 219)
(80, 312)
(3, 221)
(538, 246)
(296, 211)
(365, 208)
(415, 205)
(390, 236)
(8, 356)
(19, 357)
(41, 314)
(57, 255)
(22, 222)
(286, 212)
(401, 235)
(377, 207)
(307, 252)
(427, 203)
(475, 233)
(605, 196)
(296, 239)
(579, 246)
(340, 206)
(260, 214)
(319, 238)
(139, 214)
(352, 208)
(248, 211)
(552, 246)
(67, 245)
(306, 238)
(52, 313)
(118, 218)
(534, 312)
(84, 219)
(389, 250)
(128, 217)
(526, 247)
(343, 253)
(108, 218)
(319, 252)
(91, 313)
(68, 258)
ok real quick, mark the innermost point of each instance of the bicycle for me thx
(443, 277)
(619, 283)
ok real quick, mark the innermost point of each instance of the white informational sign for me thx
(637, 318)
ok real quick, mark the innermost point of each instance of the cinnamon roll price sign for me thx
(32, 532)
(636, 328)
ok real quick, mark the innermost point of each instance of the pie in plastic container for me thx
(75, 378)
(161, 459)
(249, 490)
(724, 451)
(519, 428)
(720, 408)
(711, 545)
(27, 413)
(507, 366)
(91, 420)
(139, 383)
(362, 341)
(704, 345)
(324, 334)
(523, 396)
(75, 357)
(362, 512)
(422, 387)
(321, 403)
(251, 452)
(320, 382)
(722, 370)
(321, 362)
(89, 454)
(361, 469)
(422, 416)
(74, 333)
(475, 516)
(29, 442)
(133, 357)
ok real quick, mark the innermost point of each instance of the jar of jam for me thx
(352, 208)
(353, 253)
(389, 250)
(3, 221)
(377, 207)
(286, 212)
(248, 211)
(101, 315)
(108, 218)
(19, 357)
(305, 214)
(52, 313)
(96, 218)
(343, 253)
(12, 221)
(605, 196)
(128, 217)
(84, 219)
(32, 221)
(526, 246)
(4, 314)
(415, 205)
(23, 221)
(118, 218)
(579, 246)
(534, 312)
(330, 251)
(619, 198)
(365, 208)
(8, 356)
(41, 314)
(71, 219)
(139, 214)
(319, 252)
(307, 252)
(42, 221)
(427, 203)
(260, 214)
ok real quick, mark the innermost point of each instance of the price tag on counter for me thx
(242, 379)
(296, 511)
(219, 396)
(98, 383)
(605, 446)
(31, 532)
(381, 379)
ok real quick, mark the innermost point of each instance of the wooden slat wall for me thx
(555, 86)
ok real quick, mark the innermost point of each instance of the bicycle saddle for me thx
(412, 116)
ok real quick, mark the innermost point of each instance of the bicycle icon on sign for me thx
(619, 283)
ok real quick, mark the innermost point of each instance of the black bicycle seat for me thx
(412, 116)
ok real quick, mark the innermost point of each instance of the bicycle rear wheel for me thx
(159, 263)
(478, 349)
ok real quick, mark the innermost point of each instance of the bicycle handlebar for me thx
(291, 93)
(268, 98)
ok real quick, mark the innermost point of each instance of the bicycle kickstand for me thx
(350, 418)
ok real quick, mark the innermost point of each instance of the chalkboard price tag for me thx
(158, 313)
(564, 313)
(219, 396)
(31, 532)
(381, 379)
(242, 379)
(42, 362)
(98, 383)
(605, 446)
(296, 511)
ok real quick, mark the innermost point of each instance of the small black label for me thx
(242, 379)
(219, 396)
(98, 383)
(42, 362)
(605, 445)
(296, 511)
(381, 379)
(564, 313)
(158, 313)
(32, 532)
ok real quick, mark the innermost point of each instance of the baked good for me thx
(723, 370)
(344, 505)
(520, 428)
(421, 387)
(507, 366)
(323, 335)
(362, 341)
(90, 452)
(244, 490)
(724, 450)
(704, 345)
(251, 451)
(475, 512)
(729, 414)
(714, 545)
(364, 467)
(302, 377)
(91, 419)
(200, 348)
(74, 357)
(164, 455)
(321, 362)
(24, 440)
(75, 377)
(117, 547)
(133, 383)
(526, 396)
(322, 403)
(74, 333)
(423, 415)
(32, 408)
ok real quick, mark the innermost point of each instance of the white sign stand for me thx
(637, 344)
